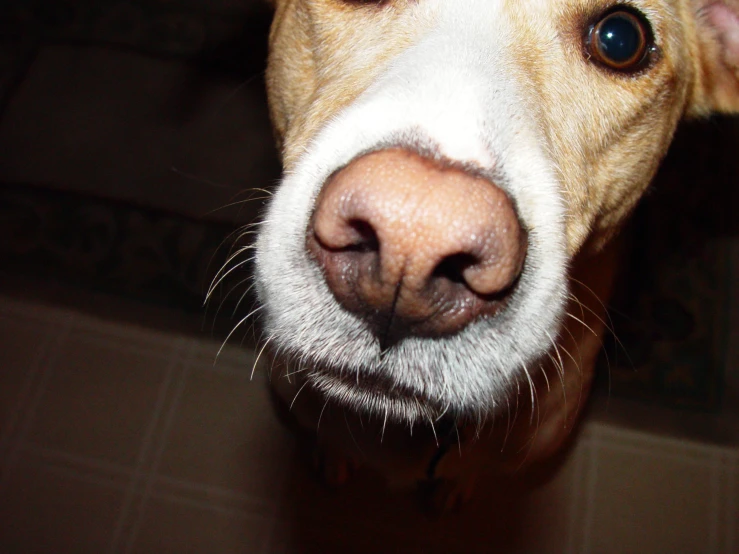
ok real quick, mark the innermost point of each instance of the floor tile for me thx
(732, 507)
(650, 498)
(225, 434)
(169, 525)
(43, 511)
(22, 344)
(99, 400)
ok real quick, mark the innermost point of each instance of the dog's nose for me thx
(415, 246)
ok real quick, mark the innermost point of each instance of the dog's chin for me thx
(375, 396)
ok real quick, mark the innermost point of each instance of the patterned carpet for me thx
(672, 311)
(671, 314)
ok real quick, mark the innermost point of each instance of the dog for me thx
(433, 268)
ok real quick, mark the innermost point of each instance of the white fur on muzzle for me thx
(451, 94)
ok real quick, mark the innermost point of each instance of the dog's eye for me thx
(620, 40)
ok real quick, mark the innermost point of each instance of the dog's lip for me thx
(374, 394)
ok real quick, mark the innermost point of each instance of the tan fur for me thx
(607, 134)
(312, 75)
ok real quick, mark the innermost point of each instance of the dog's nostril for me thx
(353, 235)
(452, 268)
(365, 237)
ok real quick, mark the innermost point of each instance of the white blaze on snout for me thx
(454, 94)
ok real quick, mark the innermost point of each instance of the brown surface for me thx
(116, 438)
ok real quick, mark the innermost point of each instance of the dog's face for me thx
(527, 130)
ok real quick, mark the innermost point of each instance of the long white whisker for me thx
(221, 275)
(296, 396)
(256, 361)
(228, 337)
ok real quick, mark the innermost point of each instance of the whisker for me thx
(443, 413)
(384, 424)
(609, 326)
(226, 274)
(226, 101)
(245, 293)
(351, 435)
(320, 416)
(290, 409)
(593, 294)
(231, 257)
(233, 203)
(433, 428)
(531, 390)
(546, 377)
(510, 422)
(459, 439)
(256, 361)
(293, 373)
(581, 322)
(578, 365)
(222, 302)
(228, 337)
(558, 371)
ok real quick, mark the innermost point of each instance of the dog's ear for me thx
(716, 56)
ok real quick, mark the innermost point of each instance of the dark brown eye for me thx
(620, 40)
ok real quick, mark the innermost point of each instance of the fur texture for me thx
(508, 89)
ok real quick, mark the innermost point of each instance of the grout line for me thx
(78, 475)
(89, 328)
(146, 445)
(36, 365)
(731, 512)
(28, 419)
(271, 530)
(591, 480)
(127, 344)
(636, 439)
(577, 491)
(132, 345)
(611, 431)
(652, 451)
(79, 465)
(83, 462)
(714, 506)
(274, 517)
(111, 335)
(159, 452)
(211, 490)
(206, 506)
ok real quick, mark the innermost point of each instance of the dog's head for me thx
(444, 162)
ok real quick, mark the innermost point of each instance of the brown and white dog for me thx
(433, 266)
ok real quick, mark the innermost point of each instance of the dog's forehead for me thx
(563, 14)
(531, 14)
(396, 24)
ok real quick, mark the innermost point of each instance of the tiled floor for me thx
(116, 438)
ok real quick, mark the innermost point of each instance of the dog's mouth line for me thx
(375, 395)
